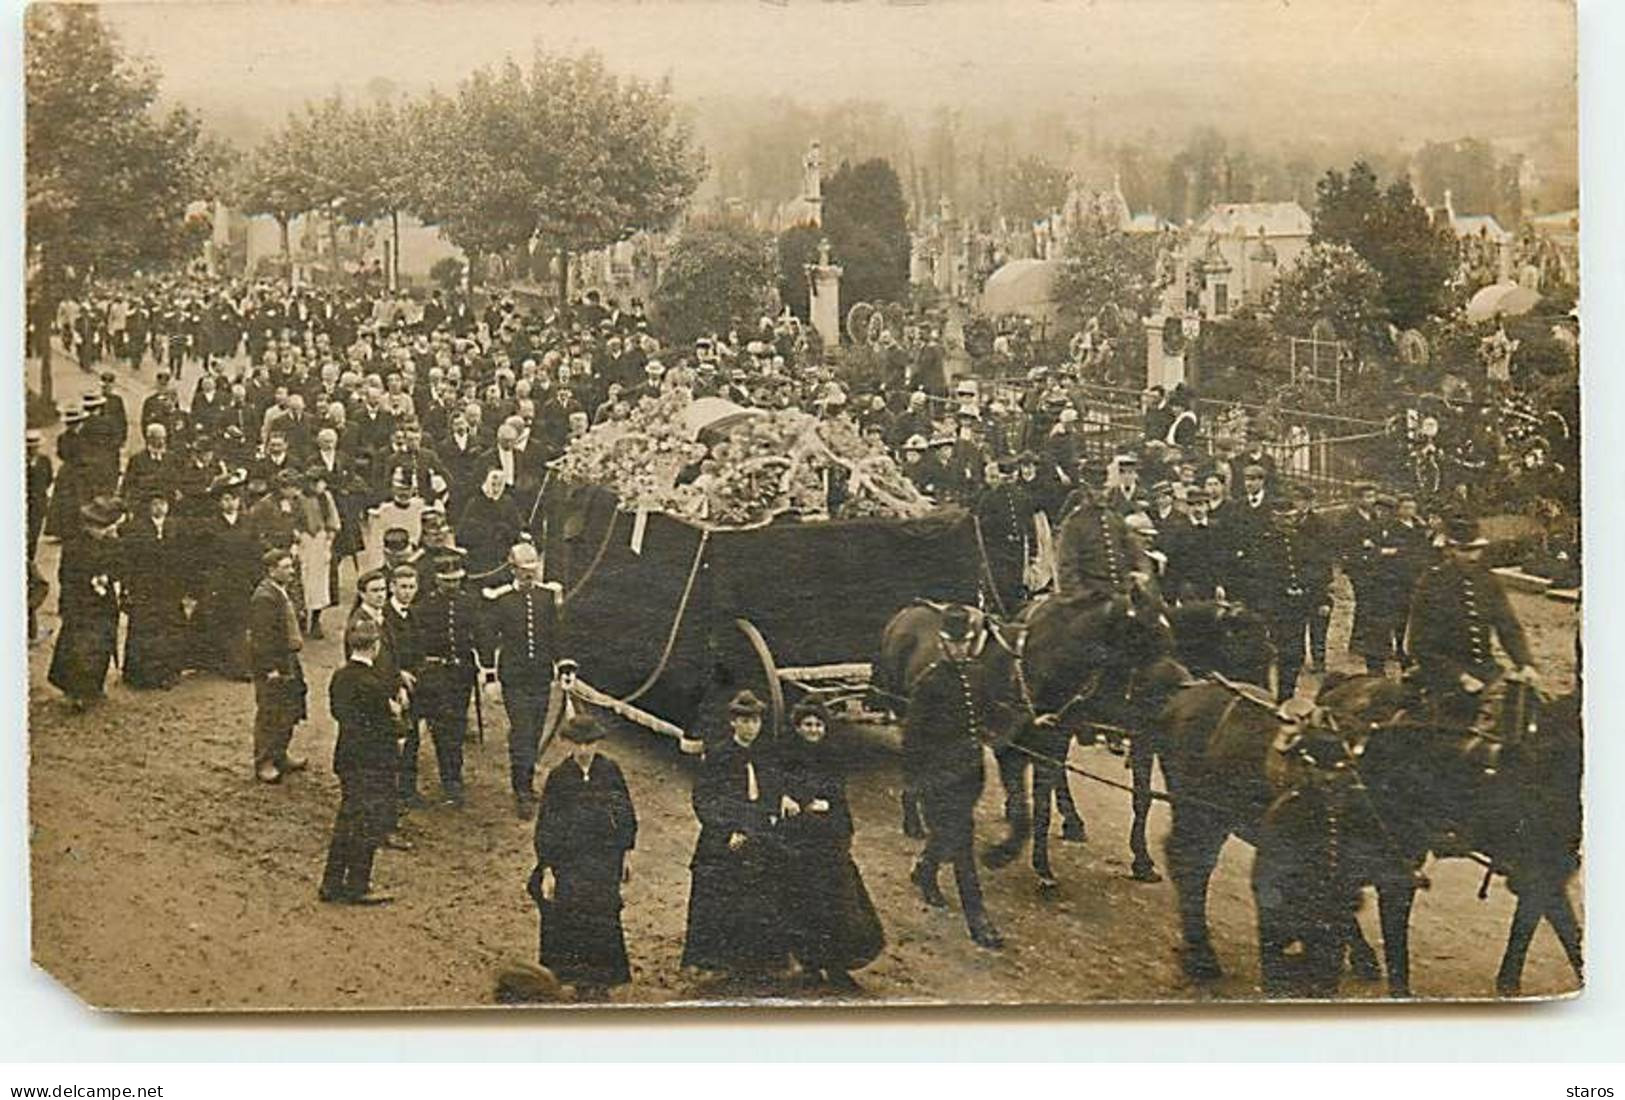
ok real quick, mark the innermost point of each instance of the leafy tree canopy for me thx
(1103, 266)
(866, 221)
(1329, 281)
(721, 270)
(564, 151)
(1393, 233)
(1034, 189)
(798, 247)
(108, 178)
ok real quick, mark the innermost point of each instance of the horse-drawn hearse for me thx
(676, 617)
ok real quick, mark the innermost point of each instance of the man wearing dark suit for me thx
(361, 701)
(113, 411)
(401, 625)
(274, 643)
(463, 458)
(152, 471)
(1193, 550)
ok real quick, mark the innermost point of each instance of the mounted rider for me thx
(1098, 557)
(1100, 563)
(1458, 609)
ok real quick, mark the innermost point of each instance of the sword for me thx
(479, 712)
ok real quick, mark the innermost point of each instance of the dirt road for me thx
(164, 878)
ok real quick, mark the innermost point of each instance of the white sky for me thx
(1283, 57)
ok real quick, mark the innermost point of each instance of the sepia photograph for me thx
(799, 503)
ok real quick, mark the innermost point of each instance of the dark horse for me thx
(1329, 810)
(911, 642)
(1516, 800)
(1104, 666)
(1070, 655)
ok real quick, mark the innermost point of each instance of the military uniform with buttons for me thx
(447, 621)
(518, 648)
(1284, 589)
(1005, 515)
(1459, 611)
(1096, 554)
(943, 767)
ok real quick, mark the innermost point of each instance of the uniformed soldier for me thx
(1413, 553)
(943, 759)
(518, 647)
(1284, 591)
(1096, 557)
(1364, 547)
(1004, 514)
(446, 624)
(1320, 551)
(1246, 576)
(1459, 609)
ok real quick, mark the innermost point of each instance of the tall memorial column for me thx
(824, 286)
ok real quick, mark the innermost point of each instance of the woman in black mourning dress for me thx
(585, 828)
(734, 919)
(830, 921)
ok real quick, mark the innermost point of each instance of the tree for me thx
(565, 152)
(108, 179)
(1034, 189)
(1104, 266)
(798, 247)
(272, 180)
(866, 221)
(1328, 281)
(1393, 233)
(721, 270)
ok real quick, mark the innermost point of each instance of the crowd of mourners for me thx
(297, 442)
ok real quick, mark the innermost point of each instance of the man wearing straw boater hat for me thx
(1458, 610)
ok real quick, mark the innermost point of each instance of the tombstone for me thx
(1163, 367)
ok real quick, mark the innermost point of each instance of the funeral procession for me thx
(572, 526)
